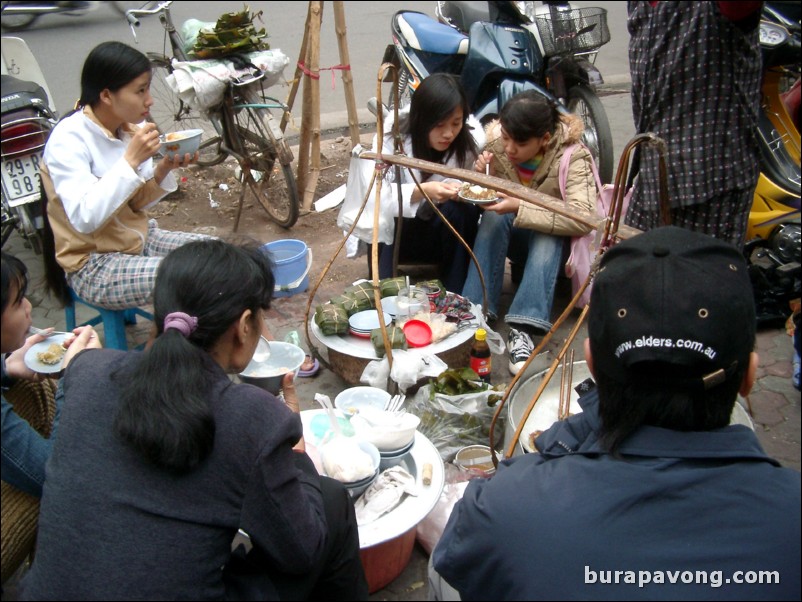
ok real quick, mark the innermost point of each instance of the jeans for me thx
(25, 451)
(541, 254)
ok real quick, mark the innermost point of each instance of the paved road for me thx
(61, 43)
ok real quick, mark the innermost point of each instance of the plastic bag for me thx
(452, 422)
(408, 368)
(360, 172)
(431, 528)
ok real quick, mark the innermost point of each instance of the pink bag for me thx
(583, 248)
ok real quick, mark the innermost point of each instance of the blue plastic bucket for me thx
(292, 259)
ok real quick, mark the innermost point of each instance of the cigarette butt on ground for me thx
(427, 474)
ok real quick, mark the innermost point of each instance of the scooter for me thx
(16, 16)
(774, 237)
(27, 118)
(509, 47)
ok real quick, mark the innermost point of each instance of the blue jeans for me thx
(542, 256)
(25, 451)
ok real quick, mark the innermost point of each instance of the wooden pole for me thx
(312, 106)
(348, 78)
(296, 80)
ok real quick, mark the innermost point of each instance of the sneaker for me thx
(521, 347)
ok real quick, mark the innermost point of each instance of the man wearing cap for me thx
(649, 492)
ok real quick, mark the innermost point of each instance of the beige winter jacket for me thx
(580, 187)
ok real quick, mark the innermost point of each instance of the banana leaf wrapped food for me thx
(331, 319)
(395, 335)
(390, 286)
(363, 293)
(352, 303)
(233, 32)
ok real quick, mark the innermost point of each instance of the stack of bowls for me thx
(358, 487)
(394, 457)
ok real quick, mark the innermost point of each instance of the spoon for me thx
(262, 353)
(45, 333)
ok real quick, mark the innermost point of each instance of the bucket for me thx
(292, 259)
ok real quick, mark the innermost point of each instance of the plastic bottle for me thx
(481, 362)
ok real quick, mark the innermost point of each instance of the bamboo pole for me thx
(296, 80)
(348, 78)
(527, 195)
(312, 105)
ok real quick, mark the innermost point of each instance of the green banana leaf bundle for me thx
(233, 32)
(331, 319)
(363, 293)
(396, 336)
(390, 286)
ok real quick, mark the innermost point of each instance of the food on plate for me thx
(52, 355)
(477, 193)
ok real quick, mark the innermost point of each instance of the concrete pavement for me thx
(775, 404)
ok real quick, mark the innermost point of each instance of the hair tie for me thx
(183, 323)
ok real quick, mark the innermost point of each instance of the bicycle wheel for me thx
(275, 189)
(597, 136)
(170, 114)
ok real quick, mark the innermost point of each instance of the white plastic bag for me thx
(408, 368)
(360, 172)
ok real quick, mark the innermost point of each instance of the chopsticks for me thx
(565, 386)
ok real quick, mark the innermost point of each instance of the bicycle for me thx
(242, 126)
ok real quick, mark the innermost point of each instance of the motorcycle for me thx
(502, 48)
(16, 16)
(774, 236)
(26, 117)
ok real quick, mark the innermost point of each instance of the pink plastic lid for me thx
(418, 333)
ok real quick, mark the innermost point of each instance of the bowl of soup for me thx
(271, 361)
(180, 143)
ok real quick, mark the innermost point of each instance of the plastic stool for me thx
(114, 320)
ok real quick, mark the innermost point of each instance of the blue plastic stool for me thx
(114, 320)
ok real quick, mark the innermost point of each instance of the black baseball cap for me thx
(676, 297)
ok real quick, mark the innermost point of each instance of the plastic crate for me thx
(573, 31)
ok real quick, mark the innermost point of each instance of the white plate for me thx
(365, 321)
(389, 305)
(412, 509)
(478, 201)
(32, 361)
(362, 348)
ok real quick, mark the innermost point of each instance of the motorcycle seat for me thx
(424, 33)
(18, 93)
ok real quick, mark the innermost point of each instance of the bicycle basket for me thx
(573, 31)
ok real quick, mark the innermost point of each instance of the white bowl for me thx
(180, 143)
(352, 401)
(388, 431)
(268, 372)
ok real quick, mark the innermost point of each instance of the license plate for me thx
(21, 178)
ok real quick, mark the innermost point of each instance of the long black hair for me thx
(165, 411)
(13, 273)
(433, 102)
(529, 115)
(110, 65)
(656, 400)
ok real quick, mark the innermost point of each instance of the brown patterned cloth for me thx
(34, 402)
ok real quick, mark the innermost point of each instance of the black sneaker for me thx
(521, 347)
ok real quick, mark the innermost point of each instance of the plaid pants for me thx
(119, 280)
